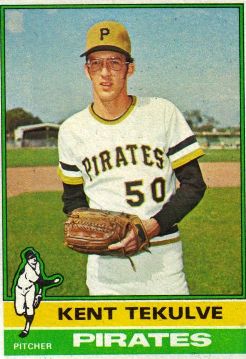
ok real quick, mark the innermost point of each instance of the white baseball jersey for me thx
(127, 164)
(29, 276)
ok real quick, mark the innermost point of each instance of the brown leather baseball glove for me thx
(92, 231)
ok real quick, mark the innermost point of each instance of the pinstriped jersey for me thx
(127, 164)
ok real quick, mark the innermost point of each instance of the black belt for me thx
(24, 288)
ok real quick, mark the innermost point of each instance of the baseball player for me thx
(124, 153)
(27, 298)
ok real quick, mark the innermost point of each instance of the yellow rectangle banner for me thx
(132, 313)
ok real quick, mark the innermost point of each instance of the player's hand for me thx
(128, 244)
(152, 227)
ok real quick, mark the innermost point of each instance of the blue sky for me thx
(187, 55)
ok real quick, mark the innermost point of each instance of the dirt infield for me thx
(37, 179)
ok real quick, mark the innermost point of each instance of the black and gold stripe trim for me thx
(181, 145)
(116, 120)
(69, 180)
(187, 158)
(67, 167)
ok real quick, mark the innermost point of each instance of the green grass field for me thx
(28, 157)
(36, 220)
(211, 236)
(212, 243)
(23, 157)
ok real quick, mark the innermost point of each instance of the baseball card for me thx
(123, 179)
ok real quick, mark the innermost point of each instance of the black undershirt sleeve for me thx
(187, 196)
(73, 197)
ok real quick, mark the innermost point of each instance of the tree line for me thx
(19, 117)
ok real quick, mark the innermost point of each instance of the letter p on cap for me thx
(107, 36)
(104, 31)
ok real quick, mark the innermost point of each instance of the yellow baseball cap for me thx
(108, 35)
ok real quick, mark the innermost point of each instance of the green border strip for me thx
(242, 145)
(218, 341)
(238, 6)
(3, 141)
(122, 6)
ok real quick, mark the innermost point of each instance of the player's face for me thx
(32, 261)
(108, 72)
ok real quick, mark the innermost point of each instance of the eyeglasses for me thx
(114, 64)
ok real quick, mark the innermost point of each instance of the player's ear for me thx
(131, 69)
(86, 69)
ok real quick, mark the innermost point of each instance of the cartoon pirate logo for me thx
(29, 286)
